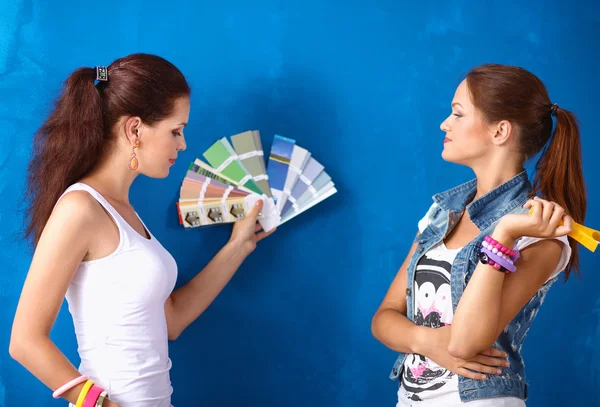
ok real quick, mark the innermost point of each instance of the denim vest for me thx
(485, 213)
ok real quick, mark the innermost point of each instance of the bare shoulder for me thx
(77, 212)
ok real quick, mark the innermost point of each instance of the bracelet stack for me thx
(90, 395)
(498, 256)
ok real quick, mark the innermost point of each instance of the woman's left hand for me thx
(248, 232)
(544, 222)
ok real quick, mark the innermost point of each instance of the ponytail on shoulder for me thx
(559, 174)
(65, 148)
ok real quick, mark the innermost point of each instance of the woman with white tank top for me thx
(110, 125)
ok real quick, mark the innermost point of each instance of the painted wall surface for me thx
(364, 87)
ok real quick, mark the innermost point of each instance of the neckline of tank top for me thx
(121, 217)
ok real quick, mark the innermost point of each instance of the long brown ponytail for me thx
(559, 175)
(78, 132)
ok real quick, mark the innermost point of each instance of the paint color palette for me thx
(236, 176)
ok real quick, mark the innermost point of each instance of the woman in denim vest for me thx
(457, 317)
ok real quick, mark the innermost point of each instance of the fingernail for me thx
(259, 203)
(506, 364)
(483, 377)
(498, 371)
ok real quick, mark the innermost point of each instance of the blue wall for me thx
(364, 86)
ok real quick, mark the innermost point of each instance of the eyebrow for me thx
(457, 104)
(183, 124)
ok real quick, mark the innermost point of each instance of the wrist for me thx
(432, 342)
(504, 236)
(422, 340)
(238, 247)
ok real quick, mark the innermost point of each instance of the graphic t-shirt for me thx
(422, 378)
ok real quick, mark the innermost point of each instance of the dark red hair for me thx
(78, 131)
(502, 92)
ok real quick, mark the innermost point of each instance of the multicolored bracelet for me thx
(498, 256)
(89, 396)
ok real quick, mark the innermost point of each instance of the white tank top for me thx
(117, 304)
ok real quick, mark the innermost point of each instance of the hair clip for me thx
(553, 108)
(101, 73)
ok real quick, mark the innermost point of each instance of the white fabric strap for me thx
(225, 163)
(295, 169)
(287, 191)
(312, 190)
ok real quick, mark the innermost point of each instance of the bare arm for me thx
(62, 246)
(392, 328)
(492, 299)
(390, 325)
(187, 303)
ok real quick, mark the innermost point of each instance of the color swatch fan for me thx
(224, 189)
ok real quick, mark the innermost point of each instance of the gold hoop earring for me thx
(133, 160)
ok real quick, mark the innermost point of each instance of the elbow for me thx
(23, 345)
(379, 322)
(13, 351)
(173, 334)
(465, 342)
(461, 351)
(466, 350)
(16, 348)
(375, 331)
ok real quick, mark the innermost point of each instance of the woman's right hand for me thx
(108, 403)
(487, 362)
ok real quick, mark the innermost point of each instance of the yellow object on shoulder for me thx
(587, 237)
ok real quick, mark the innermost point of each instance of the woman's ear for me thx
(501, 132)
(133, 129)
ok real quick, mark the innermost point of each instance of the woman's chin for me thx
(450, 157)
(446, 155)
(158, 173)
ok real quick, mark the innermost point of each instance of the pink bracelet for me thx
(92, 396)
(500, 247)
(59, 392)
